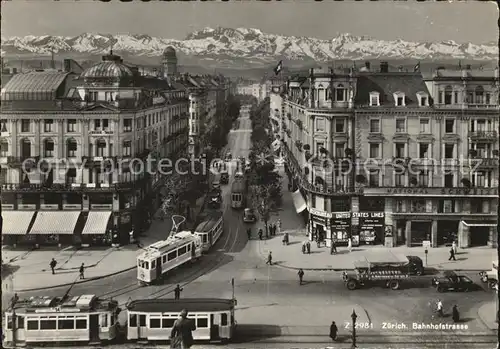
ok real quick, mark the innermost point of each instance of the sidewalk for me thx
(291, 256)
(487, 314)
(30, 271)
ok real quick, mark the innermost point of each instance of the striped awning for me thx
(55, 222)
(480, 223)
(298, 201)
(97, 222)
(16, 222)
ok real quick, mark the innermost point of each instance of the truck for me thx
(388, 271)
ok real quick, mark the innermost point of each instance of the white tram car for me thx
(153, 319)
(84, 318)
(165, 255)
(210, 230)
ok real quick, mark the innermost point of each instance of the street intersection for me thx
(273, 308)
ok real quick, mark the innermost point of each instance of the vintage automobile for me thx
(451, 281)
(214, 199)
(238, 175)
(224, 177)
(249, 216)
(490, 276)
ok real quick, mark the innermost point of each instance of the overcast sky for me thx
(470, 21)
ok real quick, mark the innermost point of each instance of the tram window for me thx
(66, 324)
(153, 264)
(48, 324)
(133, 320)
(20, 322)
(204, 238)
(146, 265)
(32, 324)
(189, 248)
(223, 319)
(9, 322)
(104, 320)
(139, 263)
(81, 324)
(154, 323)
(201, 322)
(167, 323)
(112, 322)
(182, 250)
(142, 320)
(172, 255)
(164, 259)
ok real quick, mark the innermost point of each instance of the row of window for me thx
(443, 206)
(476, 125)
(477, 96)
(340, 93)
(165, 322)
(165, 258)
(483, 179)
(52, 324)
(424, 150)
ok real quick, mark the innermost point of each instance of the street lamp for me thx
(353, 317)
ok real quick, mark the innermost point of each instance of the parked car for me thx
(249, 216)
(451, 281)
(224, 177)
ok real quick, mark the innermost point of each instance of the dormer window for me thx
(399, 99)
(423, 99)
(374, 99)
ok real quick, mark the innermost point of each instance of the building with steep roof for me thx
(66, 148)
(377, 156)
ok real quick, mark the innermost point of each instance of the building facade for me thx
(72, 147)
(393, 157)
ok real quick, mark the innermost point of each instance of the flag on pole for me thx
(417, 67)
(278, 68)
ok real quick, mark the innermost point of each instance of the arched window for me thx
(71, 147)
(340, 93)
(48, 148)
(25, 148)
(100, 147)
(448, 95)
(479, 95)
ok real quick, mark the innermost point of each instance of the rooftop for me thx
(176, 306)
(35, 82)
(75, 304)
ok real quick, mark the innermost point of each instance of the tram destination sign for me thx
(446, 192)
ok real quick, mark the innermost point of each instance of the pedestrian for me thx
(333, 248)
(260, 234)
(269, 258)
(279, 226)
(181, 336)
(308, 245)
(286, 238)
(455, 314)
(454, 246)
(275, 229)
(52, 265)
(304, 247)
(349, 245)
(301, 276)
(439, 308)
(249, 233)
(452, 255)
(82, 269)
(177, 292)
(318, 241)
(333, 331)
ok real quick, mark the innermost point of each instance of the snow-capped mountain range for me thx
(250, 44)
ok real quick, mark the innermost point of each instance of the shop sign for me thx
(340, 220)
(319, 213)
(397, 191)
(371, 224)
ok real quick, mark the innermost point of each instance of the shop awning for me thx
(55, 222)
(480, 223)
(16, 222)
(298, 201)
(97, 222)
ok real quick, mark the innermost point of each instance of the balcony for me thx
(483, 163)
(466, 106)
(484, 135)
(90, 161)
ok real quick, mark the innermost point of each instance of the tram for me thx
(163, 256)
(78, 319)
(153, 319)
(210, 230)
(238, 192)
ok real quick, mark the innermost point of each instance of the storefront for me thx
(333, 225)
(371, 226)
(55, 227)
(95, 230)
(15, 227)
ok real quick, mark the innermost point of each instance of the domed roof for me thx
(111, 67)
(169, 51)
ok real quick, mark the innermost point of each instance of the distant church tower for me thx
(169, 63)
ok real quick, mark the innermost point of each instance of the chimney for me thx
(384, 67)
(67, 65)
(367, 66)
